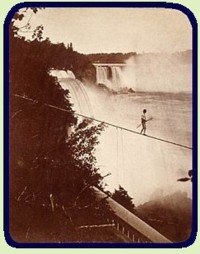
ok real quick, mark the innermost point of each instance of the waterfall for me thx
(133, 158)
(111, 76)
(102, 76)
(78, 96)
(61, 74)
(117, 77)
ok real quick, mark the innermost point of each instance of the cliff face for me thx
(89, 74)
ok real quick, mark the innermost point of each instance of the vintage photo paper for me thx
(100, 125)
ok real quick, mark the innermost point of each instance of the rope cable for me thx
(117, 146)
(106, 123)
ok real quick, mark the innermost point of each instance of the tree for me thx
(50, 171)
(122, 197)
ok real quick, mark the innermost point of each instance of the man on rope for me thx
(143, 122)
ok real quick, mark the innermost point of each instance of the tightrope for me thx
(106, 123)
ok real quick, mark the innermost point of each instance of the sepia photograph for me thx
(100, 125)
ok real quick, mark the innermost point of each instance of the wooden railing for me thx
(129, 224)
(109, 64)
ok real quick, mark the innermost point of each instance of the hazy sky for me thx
(94, 30)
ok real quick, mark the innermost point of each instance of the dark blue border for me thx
(8, 19)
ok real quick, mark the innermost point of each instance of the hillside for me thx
(110, 57)
(181, 57)
(171, 215)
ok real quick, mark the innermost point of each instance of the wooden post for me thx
(128, 234)
(52, 202)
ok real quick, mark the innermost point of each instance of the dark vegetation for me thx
(122, 197)
(56, 56)
(110, 57)
(50, 172)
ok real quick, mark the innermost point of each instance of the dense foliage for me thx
(50, 171)
(110, 57)
(58, 56)
(122, 197)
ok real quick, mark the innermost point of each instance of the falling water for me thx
(111, 76)
(139, 164)
(117, 79)
(149, 72)
(79, 97)
(103, 77)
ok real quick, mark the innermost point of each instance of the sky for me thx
(106, 30)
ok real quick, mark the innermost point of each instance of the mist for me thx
(137, 163)
(159, 73)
